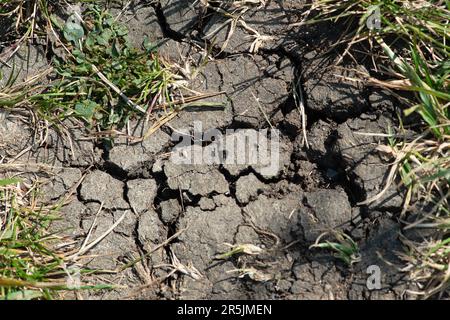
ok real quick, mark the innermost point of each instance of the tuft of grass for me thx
(101, 79)
(343, 246)
(34, 262)
(14, 94)
(414, 37)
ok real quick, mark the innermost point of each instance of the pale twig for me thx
(262, 111)
(100, 238)
(83, 245)
(299, 101)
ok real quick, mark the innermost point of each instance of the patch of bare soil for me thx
(317, 188)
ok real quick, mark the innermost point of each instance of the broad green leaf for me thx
(104, 37)
(86, 109)
(121, 30)
(109, 21)
(148, 45)
(115, 51)
(73, 31)
(90, 41)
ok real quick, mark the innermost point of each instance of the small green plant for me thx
(102, 79)
(343, 246)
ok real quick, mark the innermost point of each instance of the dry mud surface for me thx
(316, 189)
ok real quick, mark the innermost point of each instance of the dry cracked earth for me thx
(318, 187)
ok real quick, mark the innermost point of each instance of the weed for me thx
(102, 80)
(34, 262)
(345, 248)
